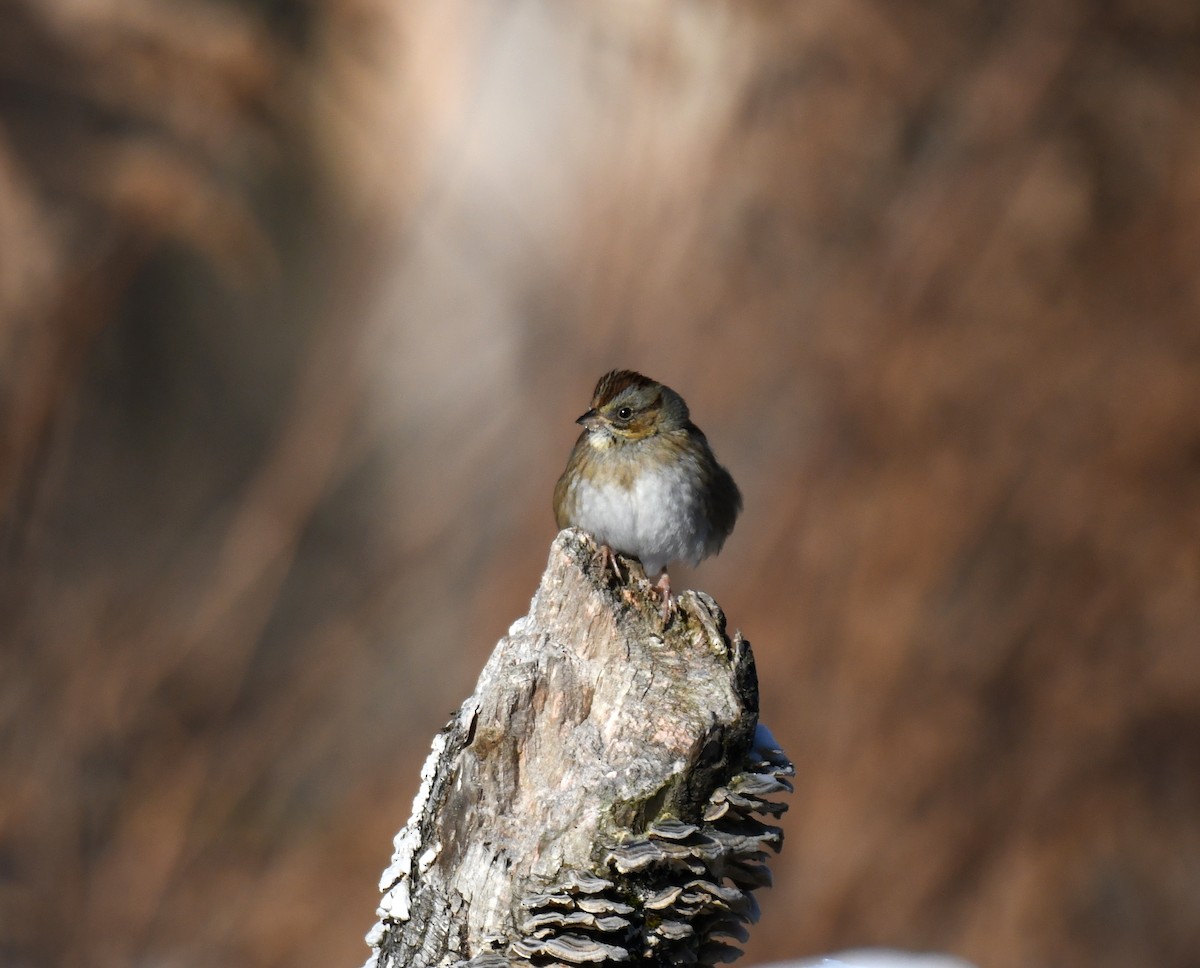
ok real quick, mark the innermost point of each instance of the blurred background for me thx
(298, 301)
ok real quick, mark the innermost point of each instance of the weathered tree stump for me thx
(598, 799)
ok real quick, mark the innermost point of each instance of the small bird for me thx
(643, 480)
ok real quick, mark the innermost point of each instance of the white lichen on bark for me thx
(598, 799)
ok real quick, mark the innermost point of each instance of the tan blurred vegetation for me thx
(297, 304)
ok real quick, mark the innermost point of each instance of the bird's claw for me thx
(670, 605)
(607, 558)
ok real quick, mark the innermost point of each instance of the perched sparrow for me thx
(643, 480)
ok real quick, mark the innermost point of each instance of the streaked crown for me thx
(633, 406)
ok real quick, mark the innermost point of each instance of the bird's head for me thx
(627, 407)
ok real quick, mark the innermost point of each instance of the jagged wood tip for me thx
(599, 799)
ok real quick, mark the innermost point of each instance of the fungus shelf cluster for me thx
(682, 894)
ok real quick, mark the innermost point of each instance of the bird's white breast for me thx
(658, 518)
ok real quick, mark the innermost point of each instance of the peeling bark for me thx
(597, 799)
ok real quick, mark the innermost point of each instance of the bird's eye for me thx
(624, 413)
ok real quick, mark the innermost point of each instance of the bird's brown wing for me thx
(562, 512)
(724, 502)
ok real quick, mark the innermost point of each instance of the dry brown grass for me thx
(296, 307)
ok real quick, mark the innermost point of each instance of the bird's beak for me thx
(590, 420)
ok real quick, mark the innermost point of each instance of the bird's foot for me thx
(607, 558)
(670, 605)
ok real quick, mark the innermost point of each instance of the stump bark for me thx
(599, 799)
